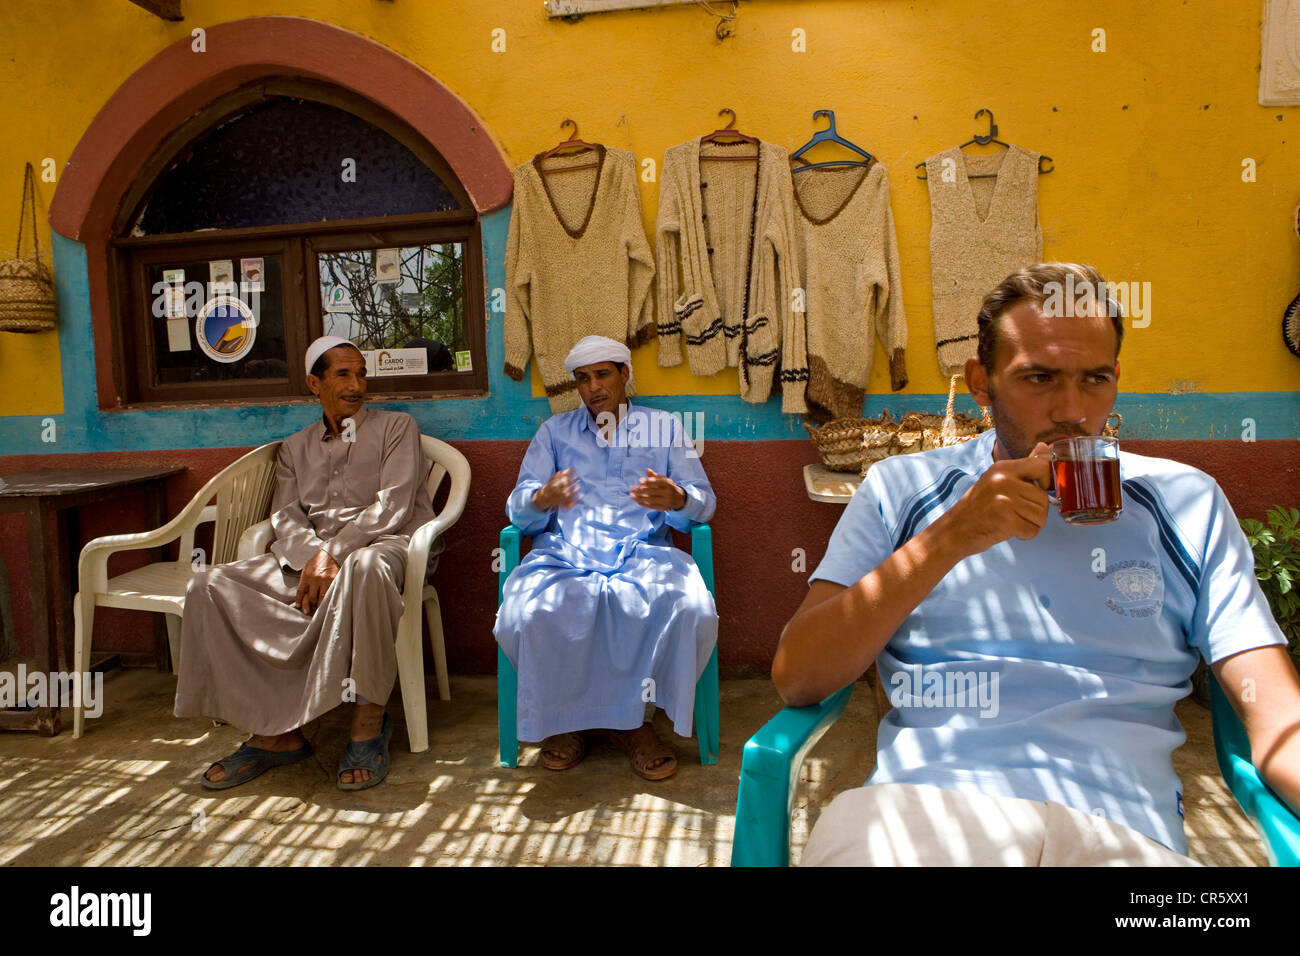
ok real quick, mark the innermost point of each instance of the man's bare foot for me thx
(651, 757)
(279, 743)
(367, 723)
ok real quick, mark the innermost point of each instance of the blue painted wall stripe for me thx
(511, 412)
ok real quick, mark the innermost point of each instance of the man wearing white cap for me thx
(605, 619)
(273, 642)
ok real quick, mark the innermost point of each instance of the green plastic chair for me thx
(769, 774)
(706, 688)
(1278, 827)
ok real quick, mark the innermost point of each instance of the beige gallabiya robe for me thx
(251, 658)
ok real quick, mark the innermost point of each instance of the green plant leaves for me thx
(1276, 547)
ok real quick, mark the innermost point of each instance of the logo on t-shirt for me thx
(1138, 588)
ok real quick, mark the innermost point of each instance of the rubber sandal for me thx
(257, 761)
(574, 742)
(369, 755)
(624, 741)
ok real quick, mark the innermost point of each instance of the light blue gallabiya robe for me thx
(604, 614)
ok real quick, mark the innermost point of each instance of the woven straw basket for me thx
(26, 284)
(878, 438)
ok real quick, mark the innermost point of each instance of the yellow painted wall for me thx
(1148, 137)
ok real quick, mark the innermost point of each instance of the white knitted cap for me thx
(599, 348)
(323, 345)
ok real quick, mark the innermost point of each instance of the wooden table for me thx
(57, 494)
(835, 487)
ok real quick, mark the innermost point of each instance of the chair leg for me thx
(174, 640)
(507, 710)
(433, 614)
(83, 626)
(410, 674)
(706, 711)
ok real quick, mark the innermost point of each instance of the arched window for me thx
(285, 211)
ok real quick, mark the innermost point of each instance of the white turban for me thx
(598, 348)
(323, 345)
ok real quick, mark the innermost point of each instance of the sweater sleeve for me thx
(794, 333)
(668, 253)
(519, 275)
(641, 266)
(890, 321)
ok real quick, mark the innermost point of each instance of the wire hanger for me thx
(829, 135)
(571, 143)
(984, 140)
(731, 136)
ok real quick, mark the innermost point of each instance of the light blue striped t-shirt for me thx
(1048, 669)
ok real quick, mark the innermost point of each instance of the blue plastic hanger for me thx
(828, 135)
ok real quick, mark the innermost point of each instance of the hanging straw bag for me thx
(27, 285)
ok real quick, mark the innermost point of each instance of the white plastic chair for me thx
(447, 463)
(242, 492)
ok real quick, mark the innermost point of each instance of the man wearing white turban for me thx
(272, 642)
(604, 619)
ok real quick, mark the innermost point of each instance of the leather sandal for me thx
(369, 755)
(570, 747)
(642, 752)
(249, 762)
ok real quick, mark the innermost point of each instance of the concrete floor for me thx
(128, 792)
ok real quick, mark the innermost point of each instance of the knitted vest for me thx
(851, 282)
(981, 231)
(577, 263)
(727, 269)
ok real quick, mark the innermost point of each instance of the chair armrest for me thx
(511, 538)
(1277, 825)
(92, 565)
(702, 552)
(769, 773)
(417, 556)
(254, 540)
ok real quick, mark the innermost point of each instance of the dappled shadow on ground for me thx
(128, 792)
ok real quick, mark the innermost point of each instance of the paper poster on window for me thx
(174, 276)
(178, 335)
(387, 269)
(252, 275)
(338, 299)
(463, 363)
(221, 277)
(174, 301)
(380, 362)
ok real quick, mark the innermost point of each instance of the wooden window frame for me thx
(134, 367)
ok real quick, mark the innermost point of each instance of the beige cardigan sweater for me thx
(981, 231)
(852, 284)
(732, 305)
(577, 264)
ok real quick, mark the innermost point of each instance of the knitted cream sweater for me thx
(982, 230)
(577, 264)
(733, 306)
(851, 282)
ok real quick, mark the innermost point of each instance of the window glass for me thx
(288, 161)
(217, 319)
(406, 297)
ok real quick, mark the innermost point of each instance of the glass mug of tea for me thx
(1085, 479)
